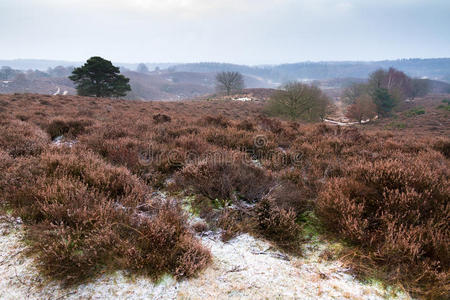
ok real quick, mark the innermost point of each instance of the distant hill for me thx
(184, 81)
(43, 64)
(434, 68)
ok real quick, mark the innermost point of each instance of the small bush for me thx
(415, 112)
(200, 227)
(161, 118)
(218, 121)
(278, 224)
(396, 125)
(443, 146)
(444, 107)
(72, 128)
(225, 178)
(20, 138)
(233, 222)
(245, 125)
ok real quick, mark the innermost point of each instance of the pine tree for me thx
(100, 78)
(384, 101)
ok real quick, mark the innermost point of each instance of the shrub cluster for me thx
(82, 216)
(71, 128)
(398, 209)
(20, 138)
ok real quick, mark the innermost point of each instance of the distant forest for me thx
(435, 68)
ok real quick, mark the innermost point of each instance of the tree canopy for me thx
(229, 82)
(100, 78)
(362, 108)
(299, 101)
(387, 88)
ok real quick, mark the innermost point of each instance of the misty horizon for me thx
(83, 60)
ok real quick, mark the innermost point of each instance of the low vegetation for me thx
(84, 215)
(415, 112)
(92, 206)
(397, 210)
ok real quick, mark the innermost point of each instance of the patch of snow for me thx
(346, 123)
(59, 141)
(244, 267)
(243, 99)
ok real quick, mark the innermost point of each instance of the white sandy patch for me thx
(243, 268)
(243, 99)
(60, 141)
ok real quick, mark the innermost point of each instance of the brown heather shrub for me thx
(398, 210)
(164, 244)
(245, 125)
(81, 218)
(20, 138)
(270, 124)
(200, 227)
(217, 121)
(193, 145)
(278, 224)
(443, 146)
(233, 222)
(71, 128)
(288, 196)
(225, 177)
(161, 118)
(5, 160)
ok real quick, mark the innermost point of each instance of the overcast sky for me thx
(236, 31)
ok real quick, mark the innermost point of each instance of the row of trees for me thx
(384, 90)
(8, 73)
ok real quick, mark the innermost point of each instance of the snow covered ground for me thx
(243, 268)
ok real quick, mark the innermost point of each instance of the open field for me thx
(86, 177)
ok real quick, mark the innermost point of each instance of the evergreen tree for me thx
(384, 101)
(100, 78)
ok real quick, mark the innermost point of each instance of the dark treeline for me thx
(435, 68)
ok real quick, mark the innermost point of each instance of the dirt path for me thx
(340, 119)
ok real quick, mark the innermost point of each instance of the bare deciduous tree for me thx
(299, 101)
(362, 108)
(229, 82)
(396, 82)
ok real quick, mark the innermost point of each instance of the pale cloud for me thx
(240, 31)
